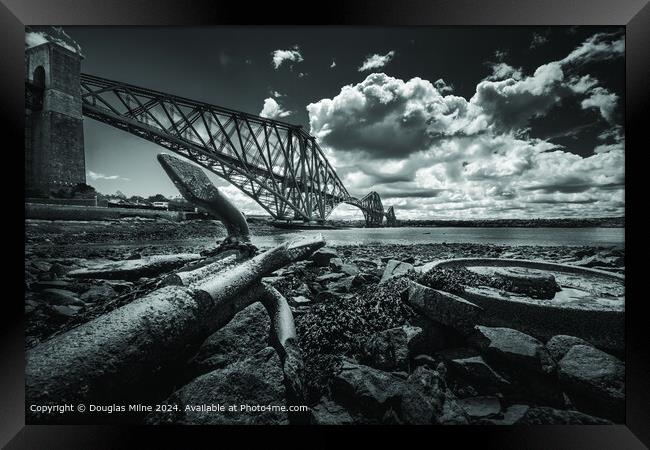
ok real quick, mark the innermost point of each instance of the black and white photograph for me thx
(325, 225)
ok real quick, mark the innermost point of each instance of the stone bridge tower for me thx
(54, 139)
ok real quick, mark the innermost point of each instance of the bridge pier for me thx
(54, 138)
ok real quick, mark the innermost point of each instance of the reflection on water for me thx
(600, 237)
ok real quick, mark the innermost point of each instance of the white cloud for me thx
(429, 152)
(333, 65)
(94, 176)
(501, 71)
(273, 110)
(604, 101)
(601, 46)
(442, 86)
(376, 61)
(282, 56)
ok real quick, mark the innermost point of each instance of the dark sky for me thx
(492, 138)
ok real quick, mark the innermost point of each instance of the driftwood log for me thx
(196, 188)
(107, 359)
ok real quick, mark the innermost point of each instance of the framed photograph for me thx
(372, 216)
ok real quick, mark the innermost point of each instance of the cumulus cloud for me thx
(604, 101)
(94, 176)
(601, 46)
(286, 56)
(376, 61)
(442, 86)
(273, 110)
(502, 71)
(427, 151)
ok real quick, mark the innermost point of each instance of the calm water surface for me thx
(600, 237)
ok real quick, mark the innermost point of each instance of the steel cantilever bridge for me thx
(277, 164)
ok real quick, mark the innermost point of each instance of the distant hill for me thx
(607, 222)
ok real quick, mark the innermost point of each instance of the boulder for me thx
(349, 269)
(255, 381)
(425, 399)
(299, 301)
(246, 334)
(341, 286)
(422, 398)
(597, 378)
(511, 416)
(364, 278)
(65, 310)
(559, 345)
(98, 293)
(395, 268)
(58, 270)
(61, 297)
(50, 284)
(512, 346)
(323, 256)
(470, 365)
(365, 263)
(365, 389)
(443, 307)
(327, 412)
(543, 415)
(390, 349)
(329, 277)
(41, 266)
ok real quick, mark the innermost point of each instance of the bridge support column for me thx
(54, 148)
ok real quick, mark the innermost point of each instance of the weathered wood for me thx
(203, 270)
(148, 266)
(196, 188)
(109, 358)
(285, 341)
(231, 282)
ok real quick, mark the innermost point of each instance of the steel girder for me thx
(277, 164)
(391, 219)
(372, 208)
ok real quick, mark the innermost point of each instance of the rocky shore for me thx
(371, 353)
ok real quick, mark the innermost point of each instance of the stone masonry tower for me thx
(54, 139)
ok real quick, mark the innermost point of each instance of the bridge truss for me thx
(275, 163)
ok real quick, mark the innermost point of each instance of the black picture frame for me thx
(633, 14)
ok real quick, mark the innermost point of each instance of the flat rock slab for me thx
(481, 407)
(514, 347)
(471, 365)
(443, 307)
(149, 266)
(594, 373)
(323, 256)
(395, 268)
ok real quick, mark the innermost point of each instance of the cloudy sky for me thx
(442, 122)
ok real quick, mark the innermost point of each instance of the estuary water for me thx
(597, 237)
